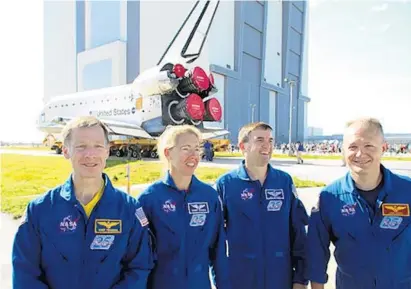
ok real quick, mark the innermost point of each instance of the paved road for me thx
(29, 152)
(317, 170)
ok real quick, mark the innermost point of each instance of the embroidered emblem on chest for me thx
(247, 194)
(390, 222)
(348, 209)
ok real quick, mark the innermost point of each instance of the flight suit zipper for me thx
(262, 221)
(186, 210)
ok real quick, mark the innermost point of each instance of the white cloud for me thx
(362, 28)
(379, 8)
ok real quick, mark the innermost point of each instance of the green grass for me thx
(26, 177)
(307, 156)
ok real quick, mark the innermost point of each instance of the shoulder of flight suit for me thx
(42, 204)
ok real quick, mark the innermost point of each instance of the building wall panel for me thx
(60, 48)
(98, 74)
(115, 52)
(252, 41)
(133, 40)
(273, 51)
(105, 22)
(254, 14)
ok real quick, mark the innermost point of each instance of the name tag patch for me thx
(391, 223)
(274, 205)
(198, 208)
(102, 242)
(396, 210)
(107, 226)
(198, 220)
(274, 194)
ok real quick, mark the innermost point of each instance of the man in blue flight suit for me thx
(208, 150)
(265, 220)
(366, 215)
(83, 234)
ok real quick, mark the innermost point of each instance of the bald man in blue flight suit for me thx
(83, 234)
(366, 215)
(265, 220)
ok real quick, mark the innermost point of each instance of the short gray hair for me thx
(82, 122)
(366, 123)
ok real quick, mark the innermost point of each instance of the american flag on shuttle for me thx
(141, 216)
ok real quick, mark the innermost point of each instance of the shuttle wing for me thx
(213, 133)
(114, 127)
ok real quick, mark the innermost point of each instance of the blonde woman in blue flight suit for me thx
(185, 215)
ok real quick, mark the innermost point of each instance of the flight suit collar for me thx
(168, 180)
(68, 194)
(349, 186)
(243, 174)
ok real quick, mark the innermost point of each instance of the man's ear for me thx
(66, 151)
(241, 146)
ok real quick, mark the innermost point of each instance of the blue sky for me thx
(359, 64)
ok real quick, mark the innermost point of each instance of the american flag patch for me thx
(141, 216)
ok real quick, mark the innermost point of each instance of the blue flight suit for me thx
(208, 151)
(189, 233)
(372, 249)
(58, 247)
(266, 230)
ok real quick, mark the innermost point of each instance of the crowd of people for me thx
(249, 229)
(332, 147)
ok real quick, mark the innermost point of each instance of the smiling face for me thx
(184, 156)
(87, 149)
(258, 148)
(363, 148)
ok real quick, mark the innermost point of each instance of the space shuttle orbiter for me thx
(167, 94)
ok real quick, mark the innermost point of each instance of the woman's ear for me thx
(167, 153)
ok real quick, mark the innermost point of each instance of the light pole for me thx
(291, 83)
(252, 111)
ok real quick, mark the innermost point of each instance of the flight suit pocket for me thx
(243, 271)
(57, 246)
(346, 281)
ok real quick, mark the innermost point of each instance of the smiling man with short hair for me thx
(265, 220)
(85, 233)
(366, 215)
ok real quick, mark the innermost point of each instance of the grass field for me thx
(306, 156)
(25, 177)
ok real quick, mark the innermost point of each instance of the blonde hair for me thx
(244, 134)
(169, 138)
(82, 122)
(367, 123)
